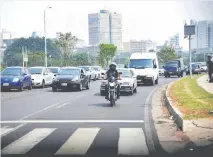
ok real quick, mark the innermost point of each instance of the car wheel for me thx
(135, 90)
(80, 87)
(88, 85)
(43, 84)
(30, 87)
(54, 89)
(156, 81)
(21, 87)
(153, 82)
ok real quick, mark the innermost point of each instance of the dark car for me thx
(195, 69)
(54, 70)
(16, 78)
(173, 68)
(70, 78)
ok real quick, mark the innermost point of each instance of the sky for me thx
(155, 20)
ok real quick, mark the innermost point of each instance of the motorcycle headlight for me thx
(15, 79)
(111, 84)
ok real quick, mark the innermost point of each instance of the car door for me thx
(24, 77)
(46, 77)
(50, 75)
(28, 77)
(83, 77)
(134, 78)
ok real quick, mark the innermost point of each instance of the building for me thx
(36, 34)
(80, 43)
(142, 46)
(105, 27)
(126, 47)
(175, 40)
(204, 34)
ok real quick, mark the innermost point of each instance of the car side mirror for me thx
(54, 74)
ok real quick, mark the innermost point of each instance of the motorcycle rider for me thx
(112, 72)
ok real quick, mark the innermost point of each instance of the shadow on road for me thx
(100, 105)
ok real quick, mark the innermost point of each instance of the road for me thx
(43, 123)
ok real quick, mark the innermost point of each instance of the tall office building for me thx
(142, 46)
(105, 27)
(175, 41)
(204, 34)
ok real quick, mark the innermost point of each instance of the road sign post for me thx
(189, 30)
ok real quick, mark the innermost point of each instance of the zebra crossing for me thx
(131, 141)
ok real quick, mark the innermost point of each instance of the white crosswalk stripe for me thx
(131, 141)
(79, 142)
(27, 142)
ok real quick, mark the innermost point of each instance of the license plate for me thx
(5, 84)
(64, 84)
(170, 72)
(139, 80)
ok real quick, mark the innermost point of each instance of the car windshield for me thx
(194, 66)
(85, 68)
(54, 70)
(69, 72)
(141, 63)
(125, 73)
(35, 70)
(12, 71)
(171, 64)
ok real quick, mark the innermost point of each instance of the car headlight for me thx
(75, 79)
(15, 79)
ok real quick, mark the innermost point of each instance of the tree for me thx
(14, 51)
(66, 43)
(107, 52)
(166, 53)
(80, 59)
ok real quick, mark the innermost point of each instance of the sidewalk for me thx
(202, 82)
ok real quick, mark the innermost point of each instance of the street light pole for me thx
(190, 57)
(45, 38)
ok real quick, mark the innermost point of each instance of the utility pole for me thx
(189, 30)
(190, 57)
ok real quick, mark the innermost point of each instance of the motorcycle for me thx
(112, 91)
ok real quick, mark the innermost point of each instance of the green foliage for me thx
(66, 43)
(36, 59)
(167, 53)
(107, 52)
(80, 59)
(14, 51)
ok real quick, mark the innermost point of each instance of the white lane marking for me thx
(132, 141)
(9, 130)
(79, 142)
(64, 104)
(72, 121)
(28, 141)
(5, 130)
(39, 111)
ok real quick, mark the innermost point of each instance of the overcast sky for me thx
(156, 20)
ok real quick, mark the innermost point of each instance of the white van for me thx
(146, 67)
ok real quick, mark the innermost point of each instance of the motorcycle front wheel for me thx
(112, 99)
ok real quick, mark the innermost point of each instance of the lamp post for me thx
(189, 30)
(45, 38)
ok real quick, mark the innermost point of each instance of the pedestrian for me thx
(209, 64)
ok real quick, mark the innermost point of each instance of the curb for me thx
(176, 114)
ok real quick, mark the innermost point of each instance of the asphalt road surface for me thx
(41, 123)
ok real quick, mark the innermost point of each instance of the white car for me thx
(128, 81)
(41, 76)
(161, 70)
(90, 72)
(145, 66)
(97, 70)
